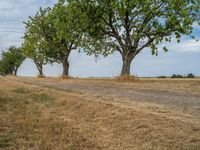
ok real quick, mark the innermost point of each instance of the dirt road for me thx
(183, 94)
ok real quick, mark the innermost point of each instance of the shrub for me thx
(162, 77)
(190, 75)
(177, 76)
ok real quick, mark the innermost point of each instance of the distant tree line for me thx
(102, 27)
(190, 75)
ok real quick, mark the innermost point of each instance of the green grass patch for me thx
(41, 98)
(20, 102)
(21, 90)
(4, 142)
(12, 104)
(4, 103)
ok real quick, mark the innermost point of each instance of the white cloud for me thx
(186, 46)
(12, 14)
(196, 25)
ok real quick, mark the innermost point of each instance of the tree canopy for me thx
(129, 26)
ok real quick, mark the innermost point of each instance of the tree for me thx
(61, 34)
(2, 71)
(34, 43)
(177, 76)
(129, 26)
(190, 75)
(53, 33)
(11, 60)
(4, 68)
(36, 55)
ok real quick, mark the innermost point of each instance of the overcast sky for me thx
(182, 58)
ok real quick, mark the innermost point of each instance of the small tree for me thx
(57, 37)
(11, 60)
(3, 68)
(177, 76)
(190, 75)
(61, 35)
(36, 55)
(129, 26)
(34, 44)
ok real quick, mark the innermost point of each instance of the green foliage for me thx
(51, 35)
(106, 26)
(34, 43)
(4, 142)
(130, 26)
(2, 67)
(41, 98)
(3, 102)
(11, 60)
(177, 76)
(190, 75)
(62, 34)
(162, 77)
(24, 97)
(123, 25)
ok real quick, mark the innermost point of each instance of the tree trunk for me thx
(15, 71)
(40, 71)
(10, 71)
(126, 65)
(40, 68)
(65, 65)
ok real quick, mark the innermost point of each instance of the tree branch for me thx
(150, 40)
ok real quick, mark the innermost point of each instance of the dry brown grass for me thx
(32, 117)
(66, 77)
(127, 78)
(41, 76)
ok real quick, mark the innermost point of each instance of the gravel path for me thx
(185, 94)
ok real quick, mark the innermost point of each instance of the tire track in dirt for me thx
(186, 101)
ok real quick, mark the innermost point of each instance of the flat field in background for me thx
(76, 114)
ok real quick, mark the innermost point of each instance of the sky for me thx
(182, 58)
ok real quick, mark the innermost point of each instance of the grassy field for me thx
(76, 114)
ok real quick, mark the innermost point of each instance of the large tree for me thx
(129, 26)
